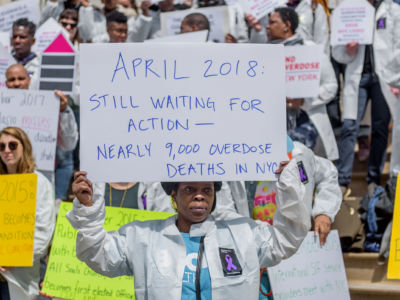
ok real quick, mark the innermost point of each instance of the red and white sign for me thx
(352, 21)
(303, 70)
(260, 8)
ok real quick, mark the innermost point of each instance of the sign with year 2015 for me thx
(187, 112)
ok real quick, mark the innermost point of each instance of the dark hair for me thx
(173, 186)
(288, 14)
(24, 22)
(197, 19)
(69, 13)
(116, 16)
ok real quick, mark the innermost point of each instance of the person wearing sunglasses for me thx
(69, 21)
(16, 158)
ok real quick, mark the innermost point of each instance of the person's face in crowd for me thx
(166, 5)
(69, 25)
(207, 3)
(117, 32)
(21, 41)
(11, 151)
(110, 4)
(17, 77)
(276, 28)
(194, 201)
(186, 28)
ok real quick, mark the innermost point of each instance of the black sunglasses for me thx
(66, 24)
(11, 145)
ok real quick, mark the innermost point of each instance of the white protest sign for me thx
(36, 112)
(189, 37)
(19, 9)
(313, 273)
(182, 112)
(352, 21)
(6, 60)
(46, 33)
(303, 70)
(5, 40)
(218, 18)
(259, 8)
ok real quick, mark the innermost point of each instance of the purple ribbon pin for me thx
(228, 259)
(302, 176)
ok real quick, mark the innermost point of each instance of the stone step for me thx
(367, 279)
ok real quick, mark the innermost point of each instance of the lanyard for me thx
(198, 268)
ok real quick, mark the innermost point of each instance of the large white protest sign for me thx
(46, 34)
(182, 112)
(217, 16)
(313, 273)
(189, 37)
(19, 9)
(6, 60)
(303, 70)
(352, 21)
(36, 112)
(259, 8)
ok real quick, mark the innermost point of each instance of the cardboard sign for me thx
(6, 60)
(182, 112)
(394, 254)
(259, 8)
(189, 37)
(57, 70)
(19, 9)
(303, 70)
(217, 16)
(313, 273)
(352, 21)
(46, 34)
(17, 219)
(69, 278)
(36, 112)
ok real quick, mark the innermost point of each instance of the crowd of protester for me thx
(322, 135)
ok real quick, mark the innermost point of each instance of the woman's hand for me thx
(82, 188)
(5, 269)
(282, 166)
(253, 22)
(63, 100)
(230, 39)
(294, 103)
(322, 226)
(352, 48)
(145, 7)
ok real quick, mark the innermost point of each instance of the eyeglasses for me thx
(64, 24)
(11, 145)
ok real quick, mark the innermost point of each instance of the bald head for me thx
(17, 77)
(194, 22)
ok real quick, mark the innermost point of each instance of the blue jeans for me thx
(64, 171)
(4, 293)
(380, 115)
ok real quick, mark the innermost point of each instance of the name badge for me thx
(230, 263)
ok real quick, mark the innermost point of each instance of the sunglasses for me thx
(11, 145)
(66, 24)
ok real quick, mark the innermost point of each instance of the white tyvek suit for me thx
(322, 191)
(23, 282)
(154, 251)
(391, 75)
(92, 26)
(313, 26)
(316, 107)
(385, 42)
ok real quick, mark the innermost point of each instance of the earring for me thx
(286, 30)
(174, 206)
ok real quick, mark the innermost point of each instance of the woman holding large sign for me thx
(167, 256)
(17, 158)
